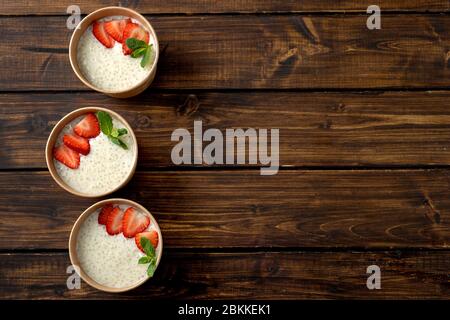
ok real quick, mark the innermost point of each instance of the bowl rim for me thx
(73, 46)
(73, 241)
(51, 140)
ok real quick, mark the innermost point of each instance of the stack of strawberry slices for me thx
(77, 142)
(130, 222)
(108, 32)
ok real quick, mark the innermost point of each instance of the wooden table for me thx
(364, 119)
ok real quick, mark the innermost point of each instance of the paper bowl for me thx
(52, 139)
(74, 237)
(107, 12)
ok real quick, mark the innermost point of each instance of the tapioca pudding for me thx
(94, 154)
(116, 53)
(118, 246)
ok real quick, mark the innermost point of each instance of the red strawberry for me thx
(134, 222)
(98, 29)
(115, 28)
(133, 30)
(150, 235)
(77, 143)
(88, 127)
(103, 215)
(114, 221)
(67, 156)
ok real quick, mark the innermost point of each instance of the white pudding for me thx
(105, 167)
(108, 68)
(111, 261)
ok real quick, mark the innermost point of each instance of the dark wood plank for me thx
(316, 129)
(209, 209)
(264, 51)
(293, 275)
(22, 7)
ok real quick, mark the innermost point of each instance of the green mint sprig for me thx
(150, 256)
(140, 49)
(106, 125)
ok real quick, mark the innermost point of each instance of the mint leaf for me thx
(151, 256)
(146, 59)
(135, 44)
(118, 142)
(139, 52)
(106, 125)
(148, 247)
(144, 241)
(144, 260)
(140, 48)
(122, 131)
(114, 133)
(151, 269)
(105, 121)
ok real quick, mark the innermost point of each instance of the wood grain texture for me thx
(231, 209)
(302, 234)
(22, 7)
(293, 275)
(255, 52)
(316, 129)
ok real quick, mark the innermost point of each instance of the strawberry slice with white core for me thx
(77, 143)
(88, 127)
(115, 28)
(133, 30)
(114, 221)
(67, 156)
(134, 222)
(104, 213)
(98, 29)
(150, 235)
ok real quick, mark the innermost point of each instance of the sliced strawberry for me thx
(114, 221)
(88, 127)
(134, 222)
(103, 215)
(67, 156)
(133, 30)
(77, 143)
(150, 235)
(115, 28)
(98, 29)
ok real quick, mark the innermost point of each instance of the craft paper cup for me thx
(52, 139)
(107, 12)
(74, 237)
